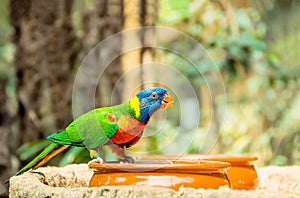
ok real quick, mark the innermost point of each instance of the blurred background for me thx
(254, 43)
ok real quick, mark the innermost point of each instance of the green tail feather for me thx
(47, 154)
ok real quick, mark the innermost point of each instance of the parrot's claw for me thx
(127, 159)
(96, 160)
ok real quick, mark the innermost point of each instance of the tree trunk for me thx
(5, 121)
(45, 52)
(138, 13)
(111, 14)
(104, 19)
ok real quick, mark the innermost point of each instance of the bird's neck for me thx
(137, 111)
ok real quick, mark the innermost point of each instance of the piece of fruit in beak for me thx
(167, 101)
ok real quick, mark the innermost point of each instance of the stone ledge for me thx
(72, 181)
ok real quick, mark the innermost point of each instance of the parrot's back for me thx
(90, 130)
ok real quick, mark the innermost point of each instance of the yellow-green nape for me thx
(135, 105)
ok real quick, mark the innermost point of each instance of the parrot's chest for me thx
(129, 128)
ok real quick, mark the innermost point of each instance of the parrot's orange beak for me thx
(167, 101)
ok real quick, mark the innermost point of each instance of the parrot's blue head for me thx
(149, 100)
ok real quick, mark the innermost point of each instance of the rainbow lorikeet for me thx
(116, 127)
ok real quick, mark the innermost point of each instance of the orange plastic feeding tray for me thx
(242, 174)
(162, 173)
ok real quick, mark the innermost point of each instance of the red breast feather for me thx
(129, 128)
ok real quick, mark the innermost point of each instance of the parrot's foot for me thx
(127, 159)
(96, 160)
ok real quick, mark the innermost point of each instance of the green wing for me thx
(90, 130)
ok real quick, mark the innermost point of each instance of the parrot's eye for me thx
(154, 96)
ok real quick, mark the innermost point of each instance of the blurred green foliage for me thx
(7, 56)
(261, 86)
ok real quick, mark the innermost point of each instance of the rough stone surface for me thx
(72, 181)
(280, 179)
